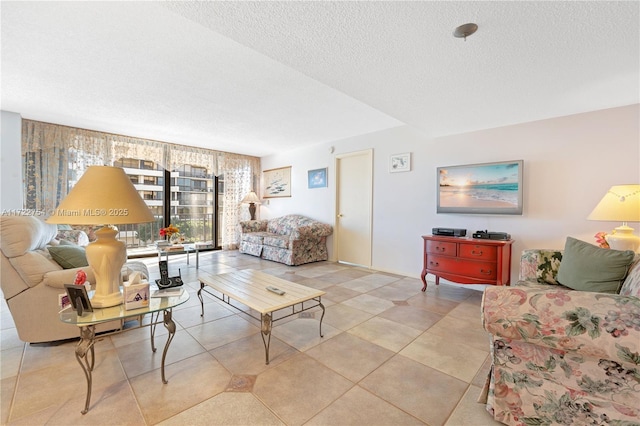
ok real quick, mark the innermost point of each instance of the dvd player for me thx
(449, 232)
(486, 235)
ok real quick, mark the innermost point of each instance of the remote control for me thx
(275, 290)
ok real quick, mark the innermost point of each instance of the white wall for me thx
(11, 193)
(569, 163)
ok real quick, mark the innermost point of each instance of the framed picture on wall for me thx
(400, 163)
(277, 182)
(487, 188)
(317, 178)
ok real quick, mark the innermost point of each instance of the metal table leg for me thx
(152, 329)
(321, 317)
(85, 355)
(200, 297)
(266, 331)
(171, 327)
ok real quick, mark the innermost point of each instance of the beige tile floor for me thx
(391, 355)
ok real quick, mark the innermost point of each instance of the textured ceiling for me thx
(262, 77)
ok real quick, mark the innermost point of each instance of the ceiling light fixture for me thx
(463, 31)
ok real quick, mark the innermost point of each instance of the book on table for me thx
(174, 247)
(169, 292)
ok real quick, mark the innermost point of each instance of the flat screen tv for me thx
(488, 188)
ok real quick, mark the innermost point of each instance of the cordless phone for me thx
(165, 280)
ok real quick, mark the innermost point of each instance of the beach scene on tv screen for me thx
(479, 186)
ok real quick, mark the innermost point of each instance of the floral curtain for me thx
(240, 173)
(56, 156)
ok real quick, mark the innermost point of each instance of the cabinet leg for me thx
(424, 280)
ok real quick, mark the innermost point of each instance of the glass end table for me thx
(85, 354)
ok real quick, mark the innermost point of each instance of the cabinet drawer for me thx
(481, 270)
(478, 252)
(442, 264)
(441, 247)
(484, 270)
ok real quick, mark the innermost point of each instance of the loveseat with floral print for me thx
(291, 239)
(561, 356)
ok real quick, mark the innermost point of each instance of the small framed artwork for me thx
(277, 182)
(79, 298)
(400, 163)
(317, 178)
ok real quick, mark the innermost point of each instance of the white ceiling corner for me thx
(263, 77)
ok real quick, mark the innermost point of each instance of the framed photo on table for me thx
(277, 182)
(79, 298)
(317, 178)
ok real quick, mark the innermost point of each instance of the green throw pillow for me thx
(586, 267)
(69, 256)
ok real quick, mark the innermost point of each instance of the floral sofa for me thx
(561, 356)
(291, 239)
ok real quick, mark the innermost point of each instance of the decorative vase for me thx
(174, 238)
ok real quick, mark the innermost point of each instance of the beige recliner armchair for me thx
(31, 281)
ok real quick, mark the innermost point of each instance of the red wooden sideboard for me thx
(467, 260)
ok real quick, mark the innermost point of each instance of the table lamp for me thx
(621, 203)
(252, 199)
(104, 196)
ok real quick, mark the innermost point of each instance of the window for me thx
(147, 165)
(150, 180)
(56, 156)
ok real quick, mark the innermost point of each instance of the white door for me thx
(354, 197)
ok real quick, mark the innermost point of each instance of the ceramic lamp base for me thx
(106, 256)
(623, 238)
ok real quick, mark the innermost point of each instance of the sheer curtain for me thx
(54, 159)
(239, 175)
(56, 156)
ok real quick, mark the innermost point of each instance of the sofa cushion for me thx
(285, 225)
(586, 267)
(74, 236)
(32, 266)
(631, 286)
(21, 234)
(281, 241)
(540, 265)
(255, 237)
(70, 256)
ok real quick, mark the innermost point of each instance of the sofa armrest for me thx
(540, 265)
(253, 226)
(315, 230)
(57, 279)
(599, 325)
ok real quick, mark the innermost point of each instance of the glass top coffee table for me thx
(85, 353)
(183, 248)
